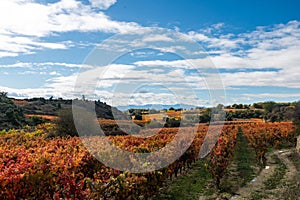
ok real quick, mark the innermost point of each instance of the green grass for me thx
(242, 168)
(278, 175)
(245, 159)
(257, 196)
(190, 186)
(198, 181)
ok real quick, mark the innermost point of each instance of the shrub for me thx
(65, 123)
(297, 118)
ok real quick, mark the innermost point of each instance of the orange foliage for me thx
(62, 168)
(46, 117)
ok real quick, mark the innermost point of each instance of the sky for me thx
(195, 52)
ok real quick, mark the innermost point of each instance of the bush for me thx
(86, 122)
(35, 120)
(11, 116)
(297, 118)
(65, 123)
(172, 122)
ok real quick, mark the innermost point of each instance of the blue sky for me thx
(253, 45)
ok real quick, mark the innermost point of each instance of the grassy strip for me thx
(190, 186)
(245, 158)
(278, 175)
(243, 167)
(198, 181)
(258, 196)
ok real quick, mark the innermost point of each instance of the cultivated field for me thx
(32, 167)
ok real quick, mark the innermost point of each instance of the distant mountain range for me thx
(156, 106)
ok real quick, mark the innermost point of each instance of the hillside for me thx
(11, 116)
(42, 106)
(13, 111)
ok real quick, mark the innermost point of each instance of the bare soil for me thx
(287, 164)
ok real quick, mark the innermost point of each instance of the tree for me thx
(269, 106)
(172, 122)
(3, 94)
(240, 106)
(172, 108)
(37, 120)
(220, 107)
(229, 116)
(205, 116)
(138, 116)
(297, 118)
(65, 123)
(153, 111)
(257, 106)
(11, 116)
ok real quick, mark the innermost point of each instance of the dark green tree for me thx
(11, 116)
(138, 116)
(297, 118)
(205, 116)
(269, 106)
(65, 123)
(171, 108)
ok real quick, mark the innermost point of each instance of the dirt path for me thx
(280, 180)
(278, 164)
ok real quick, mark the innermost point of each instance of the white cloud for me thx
(62, 83)
(274, 47)
(222, 42)
(54, 73)
(273, 95)
(200, 63)
(34, 19)
(275, 37)
(102, 4)
(17, 44)
(45, 64)
(213, 28)
(267, 56)
(119, 99)
(125, 79)
(27, 23)
(7, 54)
(157, 38)
(283, 77)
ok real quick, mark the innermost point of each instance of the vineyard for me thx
(32, 167)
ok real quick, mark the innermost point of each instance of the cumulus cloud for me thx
(157, 38)
(13, 45)
(274, 95)
(35, 19)
(276, 37)
(222, 42)
(7, 54)
(102, 4)
(275, 47)
(28, 23)
(44, 64)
